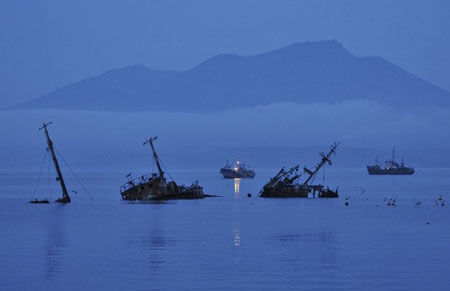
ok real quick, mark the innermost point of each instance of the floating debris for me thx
(285, 183)
(440, 201)
(347, 200)
(39, 201)
(391, 202)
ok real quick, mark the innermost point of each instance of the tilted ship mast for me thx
(65, 196)
(155, 156)
(325, 159)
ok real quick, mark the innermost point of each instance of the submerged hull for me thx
(376, 170)
(231, 174)
(156, 189)
(39, 201)
(284, 193)
(64, 199)
(298, 192)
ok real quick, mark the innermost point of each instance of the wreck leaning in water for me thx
(155, 186)
(285, 184)
(65, 195)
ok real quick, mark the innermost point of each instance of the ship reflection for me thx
(56, 243)
(153, 244)
(237, 185)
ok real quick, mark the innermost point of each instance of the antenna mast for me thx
(325, 159)
(65, 198)
(155, 155)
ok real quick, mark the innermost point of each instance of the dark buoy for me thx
(249, 195)
(346, 203)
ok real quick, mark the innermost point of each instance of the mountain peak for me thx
(313, 48)
(138, 68)
(317, 44)
(306, 72)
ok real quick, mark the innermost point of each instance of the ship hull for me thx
(230, 174)
(373, 170)
(298, 192)
(158, 190)
(284, 193)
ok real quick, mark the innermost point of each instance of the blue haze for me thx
(109, 57)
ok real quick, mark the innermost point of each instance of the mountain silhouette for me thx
(322, 71)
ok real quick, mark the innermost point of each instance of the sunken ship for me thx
(238, 170)
(65, 198)
(391, 167)
(286, 183)
(156, 186)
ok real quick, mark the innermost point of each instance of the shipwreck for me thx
(65, 198)
(156, 186)
(287, 184)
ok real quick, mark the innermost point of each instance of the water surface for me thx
(228, 242)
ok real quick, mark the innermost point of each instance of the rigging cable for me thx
(70, 169)
(153, 166)
(323, 174)
(40, 173)
(49, 183)
(165, 170)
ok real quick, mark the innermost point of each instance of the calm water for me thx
(228, 242)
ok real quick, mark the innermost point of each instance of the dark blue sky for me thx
(47, 44)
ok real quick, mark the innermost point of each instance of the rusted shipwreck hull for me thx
(285, 183)
(298, 191)
(156, 186)
(152, 187)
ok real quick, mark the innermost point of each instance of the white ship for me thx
(238, 170)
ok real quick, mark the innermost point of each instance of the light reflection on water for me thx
(237, 185)
(230, 241)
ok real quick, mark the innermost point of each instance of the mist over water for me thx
(91, 138)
